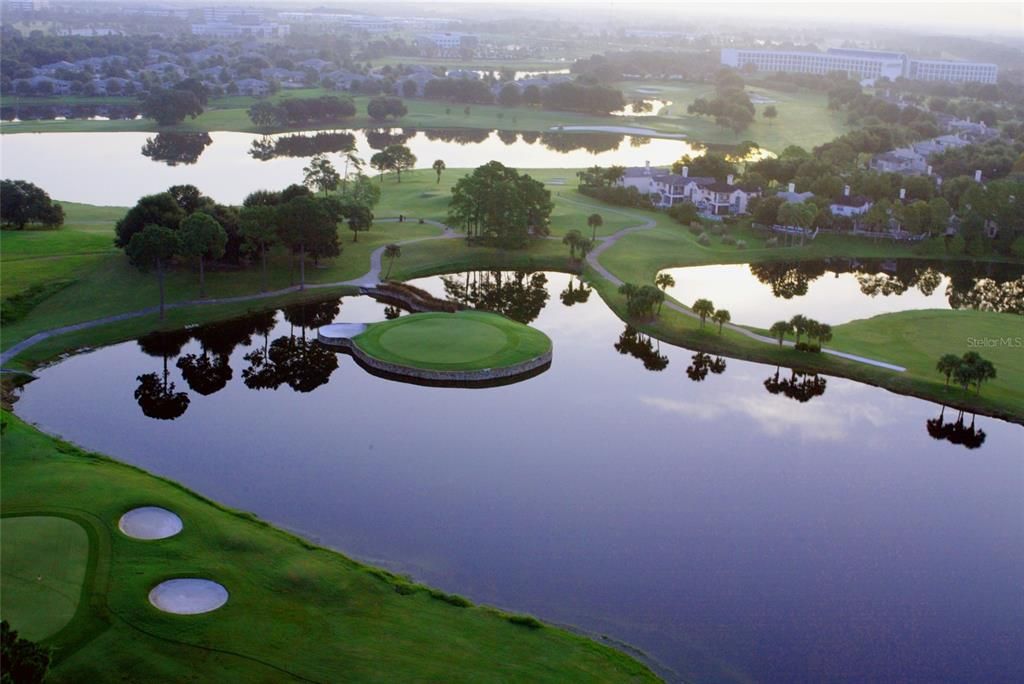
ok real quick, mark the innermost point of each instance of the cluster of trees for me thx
(995, 159)
(380, 108)
(396, 158)
(170, 106)
(578, 243)
(705, 308)
(464, 90)
(642, 301)
(599, 183)
(730, 107)
(498, 205)
(25, 662)
(969, 369)
(184, 225)
(710, 165)
(293, 112)
(616, 66)
(22, 203)
(801, 325)
(578, 97)
(563, 96)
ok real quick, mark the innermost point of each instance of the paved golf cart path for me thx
(372, 277)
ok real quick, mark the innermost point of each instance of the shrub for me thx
(741, 244)
(771, 242)
(696, 228)
(624, 197)
(525, 621)
(718, 229)
(728, 240)
(704, 239)
(453, 599)
(807, 347)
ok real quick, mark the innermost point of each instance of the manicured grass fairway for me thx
(42, 565)
(916, 340)
(296, 612)
(468, 340)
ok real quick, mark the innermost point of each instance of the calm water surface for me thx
(110, 169)
(843, 290)
(732, 522)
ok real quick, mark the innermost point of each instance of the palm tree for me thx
(721, 317)
(664, 281)
(780, 329)
(391, 252)
(947, 365)
(799, 325)
(438, 167)
(594, 221)
(703, 308)
(573, 239)
(983, 371)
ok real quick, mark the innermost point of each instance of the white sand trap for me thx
(648, 90)
(188, 596)
(627, 130)
(150, 522)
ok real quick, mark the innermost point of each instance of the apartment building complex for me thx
(862, 64)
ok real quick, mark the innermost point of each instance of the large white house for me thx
(667, 189)
(862, 64)
(849, 205)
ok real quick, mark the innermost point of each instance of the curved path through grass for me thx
(648, 224)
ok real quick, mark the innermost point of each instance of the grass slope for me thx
(468, 340)
(296, 612)
(44, 559)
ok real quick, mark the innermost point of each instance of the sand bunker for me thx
(150, 522)
(188, 596)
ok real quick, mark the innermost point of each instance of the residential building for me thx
(253, 87)
(902, 160)
(849, 205)
(446, 42)
(722, 198)
(794, 197)
(861, 64)
(230, 30)
(664, 187)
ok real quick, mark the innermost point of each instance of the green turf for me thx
(464, 341)
(44, 559)
(916, 340)
(296, 612)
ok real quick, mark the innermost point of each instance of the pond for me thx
(733, 520)
(842, 290)
(228, 166)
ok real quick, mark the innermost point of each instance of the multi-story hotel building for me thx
(863, 64)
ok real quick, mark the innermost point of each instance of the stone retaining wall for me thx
(483, 376)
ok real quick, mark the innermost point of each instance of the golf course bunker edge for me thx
(149, 523)
(188, 596)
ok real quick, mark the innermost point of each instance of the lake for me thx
(110, 168)
(842, 290)
(735, 521)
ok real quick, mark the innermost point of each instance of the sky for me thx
(966, 18)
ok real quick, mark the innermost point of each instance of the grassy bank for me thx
(296, 612)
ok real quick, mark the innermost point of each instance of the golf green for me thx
(463, 341)
(43, 565)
